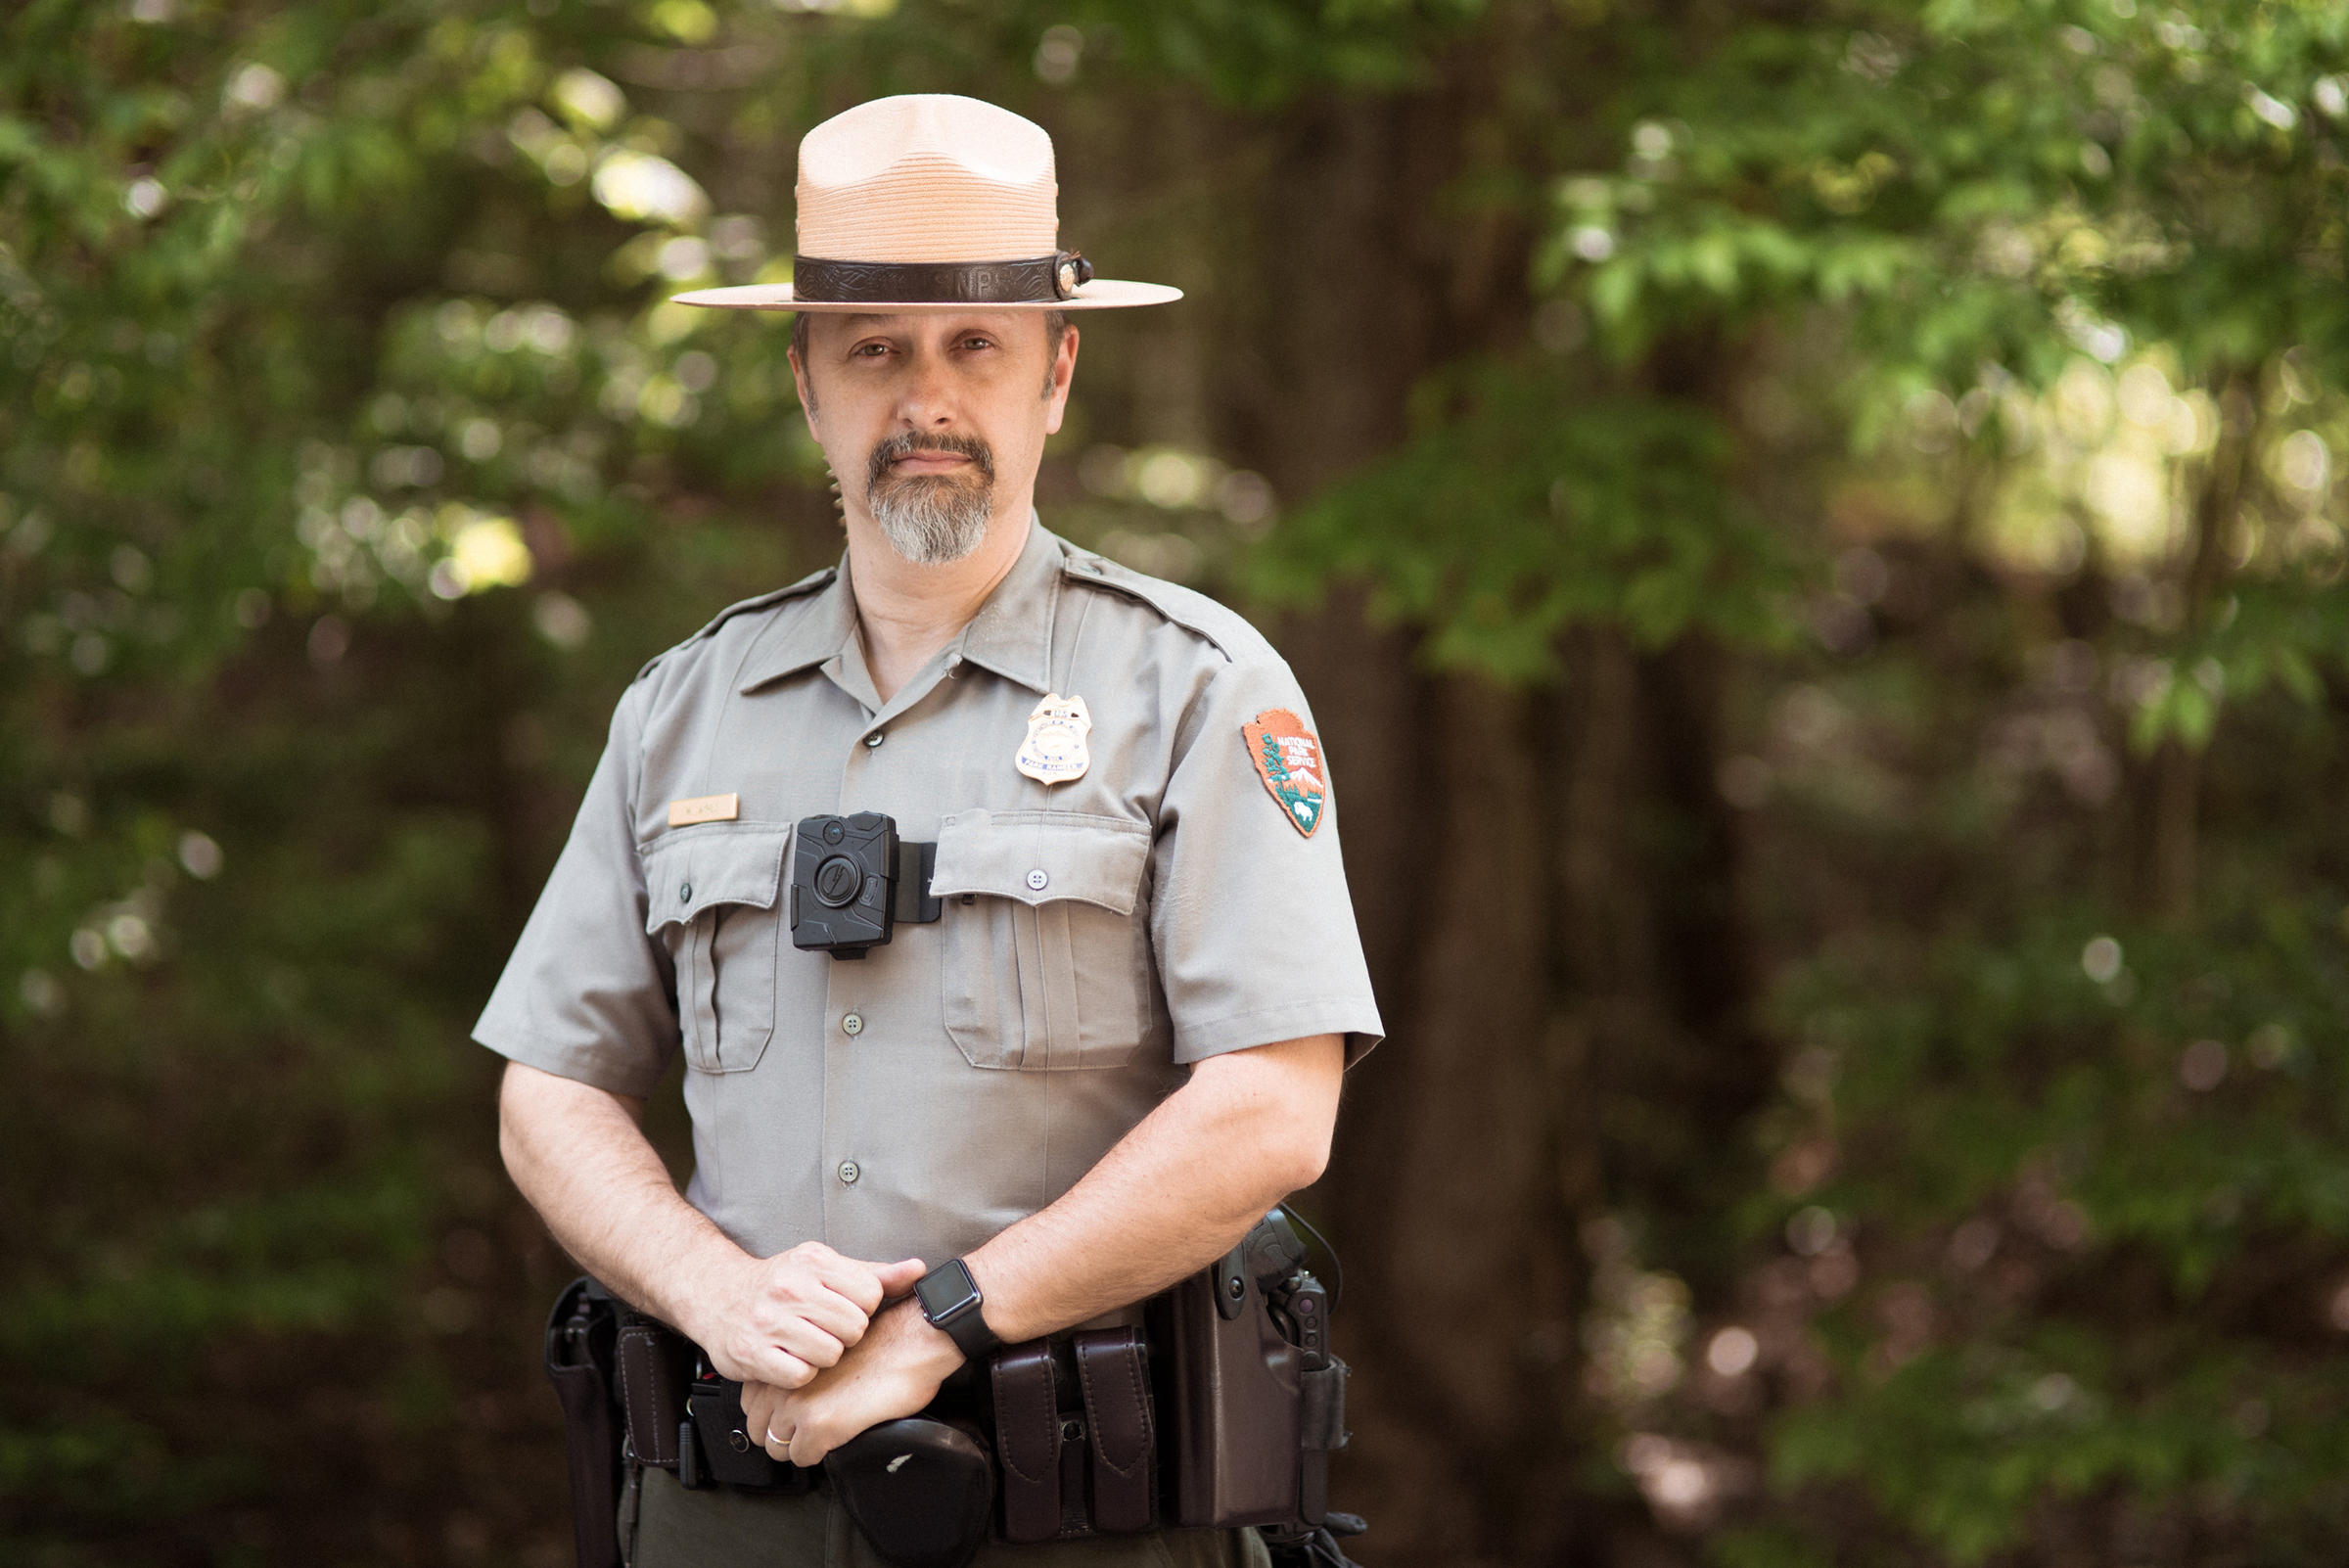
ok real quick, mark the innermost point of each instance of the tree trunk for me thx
(1544, 882)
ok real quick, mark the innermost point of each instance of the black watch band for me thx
(950, 1299)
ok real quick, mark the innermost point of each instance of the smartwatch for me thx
(950, 1300)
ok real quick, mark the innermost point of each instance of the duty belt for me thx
(1222, 1410)
(1061, 1432)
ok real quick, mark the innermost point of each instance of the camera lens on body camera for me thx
(838, 881)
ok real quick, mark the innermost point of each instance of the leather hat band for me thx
(1036, 280)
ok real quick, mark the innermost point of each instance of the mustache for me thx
(888, 451)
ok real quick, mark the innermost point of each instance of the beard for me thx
(932, 519)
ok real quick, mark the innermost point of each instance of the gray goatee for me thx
(930, 519)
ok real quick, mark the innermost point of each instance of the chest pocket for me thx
(712, 896)
(1047, 963)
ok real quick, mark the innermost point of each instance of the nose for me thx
(926, 402)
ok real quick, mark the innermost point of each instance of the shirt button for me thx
(686, 893)
(848, 1172)
(1036, 879)
(872, 742)
(853, 1024)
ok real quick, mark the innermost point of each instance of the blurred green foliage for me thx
(1972, 374)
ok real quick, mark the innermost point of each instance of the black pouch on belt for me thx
(653, 1371)
(580, 1355)
(683, 1416)
(921, 1490)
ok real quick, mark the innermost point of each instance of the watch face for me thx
(944, 1290)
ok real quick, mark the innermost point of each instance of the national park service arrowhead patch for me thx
(1288, 759)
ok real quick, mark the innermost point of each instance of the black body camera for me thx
(853, 880)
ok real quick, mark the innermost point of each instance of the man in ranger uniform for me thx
(1116, 1036)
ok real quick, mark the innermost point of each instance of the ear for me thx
(799, 381)
(1064, 375)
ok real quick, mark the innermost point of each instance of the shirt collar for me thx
(807, 632)
(1011, 634)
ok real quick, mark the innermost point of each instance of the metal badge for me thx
(1054, 752)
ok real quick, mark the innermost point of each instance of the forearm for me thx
(1175, 1194)
(581, 1159)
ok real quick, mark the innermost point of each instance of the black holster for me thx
(1255, 1398)
(1256, 1401)
(582, 1334)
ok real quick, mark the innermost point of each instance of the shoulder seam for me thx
(811, 584)
(1097, 570)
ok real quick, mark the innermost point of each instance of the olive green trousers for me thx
(664, 1526)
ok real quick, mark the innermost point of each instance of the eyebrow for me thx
(860, 320)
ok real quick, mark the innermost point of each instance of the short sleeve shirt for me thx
(1182, 897)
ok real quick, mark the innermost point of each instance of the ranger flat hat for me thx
(931, 201)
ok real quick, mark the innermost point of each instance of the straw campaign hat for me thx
(930, 202)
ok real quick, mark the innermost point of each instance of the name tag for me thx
(705, 809)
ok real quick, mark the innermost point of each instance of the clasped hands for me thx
(825, 1347)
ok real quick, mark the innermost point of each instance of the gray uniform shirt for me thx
(1097, 935)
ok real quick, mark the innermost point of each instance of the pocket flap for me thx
(685, 873)
(1037, 856)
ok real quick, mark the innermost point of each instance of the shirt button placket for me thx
(856, 795)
